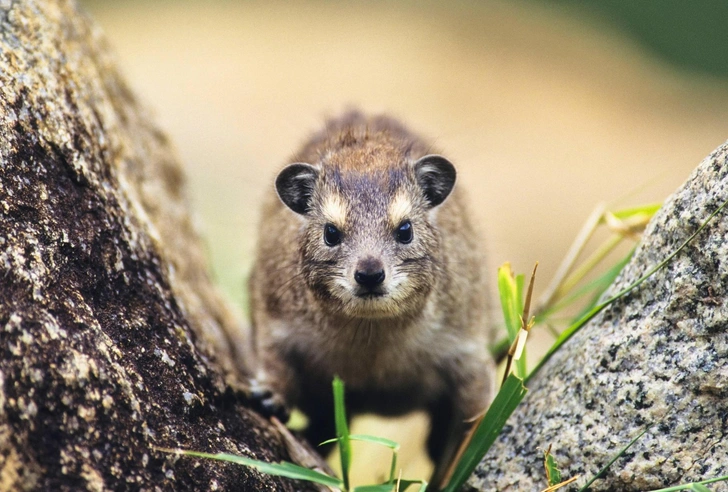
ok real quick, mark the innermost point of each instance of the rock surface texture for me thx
(657, 356)
(112, 338)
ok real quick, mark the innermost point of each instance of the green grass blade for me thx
(283, 469)
(329, 441)
(366, 438)
(405, 484)
(390, 487)
(521, 368)
(386, 487)
(388, 443)
(569, 332)
(393, 466)
(601, 284)
(553, 472)
(520, 281)
(507, 289)
(598, 285)
(511, 288)
(394, 446)
(342, 430)
(615, 458)
(648, 210)
(507, 399)
(694, 486)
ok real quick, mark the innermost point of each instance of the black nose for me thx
(369, 280)
(369, 273)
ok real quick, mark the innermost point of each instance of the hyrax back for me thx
(368, 268)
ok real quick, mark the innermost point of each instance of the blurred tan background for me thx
(546, 111)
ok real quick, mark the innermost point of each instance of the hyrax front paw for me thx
(268, 403)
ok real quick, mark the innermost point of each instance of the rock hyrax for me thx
(368, 267)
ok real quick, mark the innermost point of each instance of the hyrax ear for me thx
(295, 186)
(436, 177)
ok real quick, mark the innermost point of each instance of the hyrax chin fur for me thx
(368, 268)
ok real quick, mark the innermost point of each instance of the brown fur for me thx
(421, 345)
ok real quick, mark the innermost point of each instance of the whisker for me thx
(277, 295)
(356, 331)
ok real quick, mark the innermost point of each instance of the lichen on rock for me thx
(113, 339)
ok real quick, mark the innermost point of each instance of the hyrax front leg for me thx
(454, 416)
(319, 409)
(274, 387)
(267, 402)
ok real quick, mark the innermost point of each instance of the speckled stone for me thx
(112, 337)
(658, 355)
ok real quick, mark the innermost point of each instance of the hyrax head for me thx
(369, 245)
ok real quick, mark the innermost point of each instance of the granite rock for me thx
(658, 355)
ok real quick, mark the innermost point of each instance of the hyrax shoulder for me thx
(368, 267)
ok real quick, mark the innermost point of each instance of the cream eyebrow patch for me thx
(335, 210)
(399, 208)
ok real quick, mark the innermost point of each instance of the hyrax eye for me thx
(404, 232)
(332, 236)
